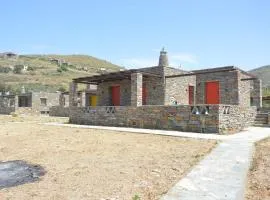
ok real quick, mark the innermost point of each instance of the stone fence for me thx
(59, 111)
(220, 119)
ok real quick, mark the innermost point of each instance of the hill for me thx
(263, 73)
(47, 72)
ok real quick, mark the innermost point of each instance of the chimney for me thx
(163, 58)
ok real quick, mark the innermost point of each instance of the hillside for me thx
(263, 73)
(48, 72)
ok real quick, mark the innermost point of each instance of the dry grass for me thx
(95, 164)
(259, 175)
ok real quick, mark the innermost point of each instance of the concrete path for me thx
(221, 175)
(146, 131)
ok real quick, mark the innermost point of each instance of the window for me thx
(43, 101)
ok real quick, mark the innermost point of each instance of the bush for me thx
(30, 68)
(18, 69)
(13, 114)
(5, 69)
(62, 89)
(62, 68)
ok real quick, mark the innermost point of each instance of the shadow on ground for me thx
(13, 173)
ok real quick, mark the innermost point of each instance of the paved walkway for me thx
(146, 131)
(221, 175)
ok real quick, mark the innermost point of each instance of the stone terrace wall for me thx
(153, 117)
(222, 119)
(234, 118)
(59, 111)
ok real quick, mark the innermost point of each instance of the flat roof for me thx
(213, 70)
(96, 79)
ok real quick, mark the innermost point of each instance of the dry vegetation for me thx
(95, 164)
(44, 75)
(259, 176)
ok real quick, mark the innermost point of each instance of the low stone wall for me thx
(6, 110)
(222, 119)
(234, 118)
(59, 111)
(152, 117)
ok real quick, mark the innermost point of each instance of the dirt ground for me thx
(95, 164)
(258, 187)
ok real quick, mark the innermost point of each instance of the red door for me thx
(212, 92)
(116, 95)
(190, 94)
(144, 94)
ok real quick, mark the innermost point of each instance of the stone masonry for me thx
(222, 119)
(136, 89)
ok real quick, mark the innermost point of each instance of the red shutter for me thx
(212, 92)
(116, 95)
(144, 94)
(190, 94)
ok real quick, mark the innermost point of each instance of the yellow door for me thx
(93, 100)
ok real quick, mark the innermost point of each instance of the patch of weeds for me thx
(13, 114)
(136, 197)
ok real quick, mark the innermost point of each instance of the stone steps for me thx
(261, 120)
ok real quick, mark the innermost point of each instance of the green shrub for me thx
(13, 114)
(4, 69)
(136, 197)
(30, 68)
(18, 69)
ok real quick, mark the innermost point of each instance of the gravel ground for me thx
(95, 164)
(258, 187)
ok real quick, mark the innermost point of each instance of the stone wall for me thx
(234, 118)
(52, 99)
(154, 90)
(6, 110)
(256, 92)
(244, 89)
(222, 119)
(7, 104)
(157, 117)
(168, 71)
(177, 88)
(59, 111)
(104, 92)
(228, 85)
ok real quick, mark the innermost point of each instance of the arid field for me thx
(95, 164)
(259, 176)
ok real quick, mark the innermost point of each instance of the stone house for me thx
(217, 100)
(28, 102)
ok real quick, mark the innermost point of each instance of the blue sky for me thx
(196, 34)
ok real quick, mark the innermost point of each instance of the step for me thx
(261, 125)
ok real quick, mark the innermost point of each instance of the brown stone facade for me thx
(228, 86)
(177, 89)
